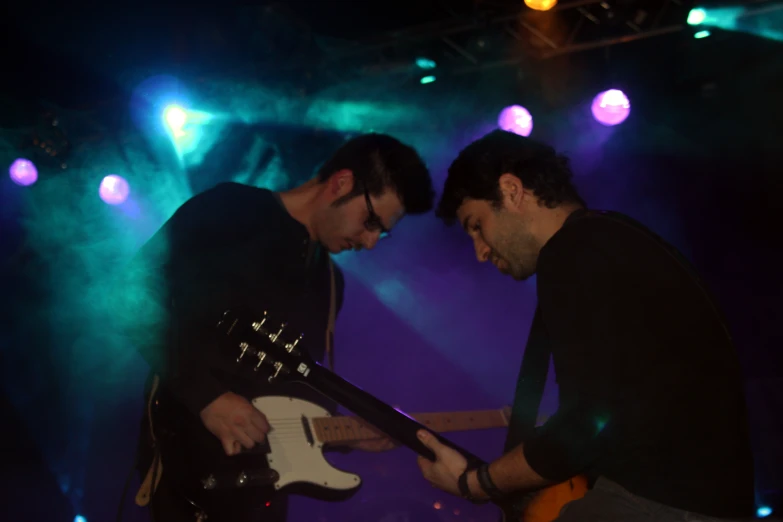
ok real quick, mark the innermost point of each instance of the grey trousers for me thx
(608, 501)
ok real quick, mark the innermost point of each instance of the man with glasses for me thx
(240, 246)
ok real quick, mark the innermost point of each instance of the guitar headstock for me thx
(266, 345)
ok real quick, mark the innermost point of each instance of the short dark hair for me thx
(380, 162)
(476, 172)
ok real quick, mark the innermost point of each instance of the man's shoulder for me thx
(232, 197)
(593, 227)
(602, 236)
(240, 189)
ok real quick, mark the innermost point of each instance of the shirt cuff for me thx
(196, 393)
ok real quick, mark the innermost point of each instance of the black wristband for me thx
(464, 490)
(485, 481)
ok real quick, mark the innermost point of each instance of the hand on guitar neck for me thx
(445, 471)
(233, 419)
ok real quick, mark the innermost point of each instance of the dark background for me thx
(698, 160)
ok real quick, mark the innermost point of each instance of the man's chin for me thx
(341, 247)
(520, 275)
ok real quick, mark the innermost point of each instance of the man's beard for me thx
(518, 248)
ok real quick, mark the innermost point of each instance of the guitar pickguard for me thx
(297, 457)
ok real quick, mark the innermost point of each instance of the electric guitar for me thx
(300, 430)
(257, 342)
(291, 459)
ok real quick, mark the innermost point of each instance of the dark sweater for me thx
(231, 246)
(651, 393)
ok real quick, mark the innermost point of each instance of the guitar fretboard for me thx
(343, 429)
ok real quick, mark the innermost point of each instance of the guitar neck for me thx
(344, 430)
(385, 418)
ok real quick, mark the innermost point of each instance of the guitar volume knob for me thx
(210, 482)
(242, 479)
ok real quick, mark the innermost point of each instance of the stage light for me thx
(701, 34)
(425, 63)
(516, 119)
(427, 79)
(696, 16)
(541, 5)
(114, 189)
(79, 518)
(23, 172)
(763, 512)
(175, 118)
(611, 107)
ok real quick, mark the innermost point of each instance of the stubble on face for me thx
(514, 245)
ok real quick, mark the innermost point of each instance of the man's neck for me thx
(552, 220)
(301, 203)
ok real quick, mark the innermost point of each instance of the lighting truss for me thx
(493, 38)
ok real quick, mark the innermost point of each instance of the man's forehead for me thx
(467, 210)
(396, 217)
(469, 206)
(389, 208)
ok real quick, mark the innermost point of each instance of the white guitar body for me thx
(295, 458)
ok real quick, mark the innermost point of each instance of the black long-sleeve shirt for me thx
(231, 246)
(650, 385)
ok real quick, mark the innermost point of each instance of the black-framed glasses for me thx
(373, 222)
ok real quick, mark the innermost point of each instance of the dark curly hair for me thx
(380, 162)
(477, 169)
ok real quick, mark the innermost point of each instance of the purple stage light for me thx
(114, 189)
(23, 172)
(516, 119)
(611, 107)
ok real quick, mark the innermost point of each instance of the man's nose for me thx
(482, 251)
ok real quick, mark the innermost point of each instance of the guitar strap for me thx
(332, 316)
(530, 384)
(155, 471)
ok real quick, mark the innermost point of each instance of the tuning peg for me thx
(291, 347)
(258, 324)
(280, 369)
(244, 347)
(227, 322)
(261, 358)
(274, 337)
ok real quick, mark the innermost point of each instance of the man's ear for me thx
(340, 183)
(512, 190)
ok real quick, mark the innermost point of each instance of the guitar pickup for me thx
(307, 431)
